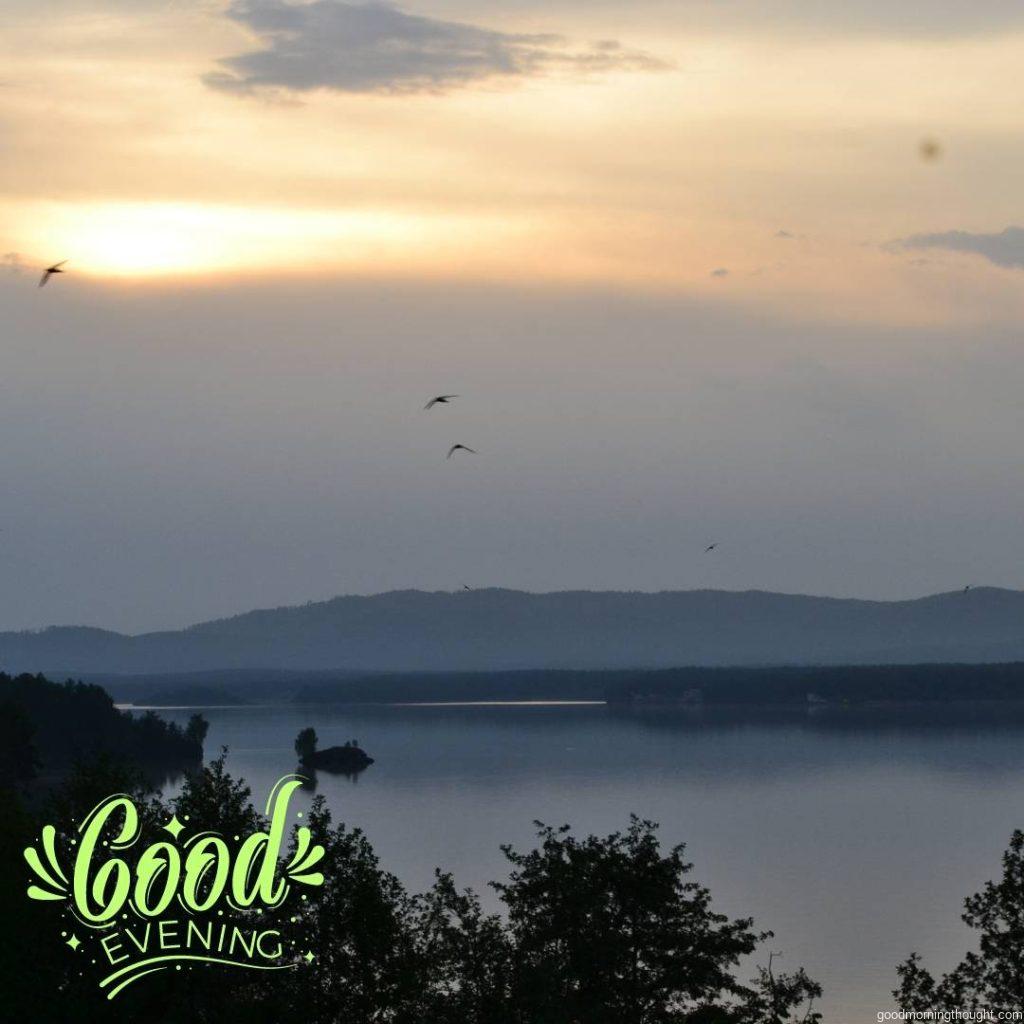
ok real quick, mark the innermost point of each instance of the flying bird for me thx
(466, 587)
(50, 271)
(459, 448)
(439, 400)
(710, 547)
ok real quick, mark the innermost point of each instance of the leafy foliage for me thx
(993, 977)
(601, 930)
(610, 929)
(305, 744)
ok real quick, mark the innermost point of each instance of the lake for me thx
(853, 834)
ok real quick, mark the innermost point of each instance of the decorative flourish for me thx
(174, 826)
(51, 875)
(126, 899)
(307, 855)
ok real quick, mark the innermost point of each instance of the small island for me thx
(347, 759)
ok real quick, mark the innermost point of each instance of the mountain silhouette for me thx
(496, 629)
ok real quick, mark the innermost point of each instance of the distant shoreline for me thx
(814, 687)
(237, 706)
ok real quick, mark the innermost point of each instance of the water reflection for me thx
(854, 833)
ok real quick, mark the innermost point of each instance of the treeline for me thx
(593, 930)
(769, 685)
(853, 684)
(528, 684)
(776, 685)
(47, 725)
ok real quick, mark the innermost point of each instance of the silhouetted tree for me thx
(305, 744)
(18, 756)
(213, 795)
(38, 977)
(610, 930)
(72, 722)
(196, 730)
(468, 956)
(361, 924)
(598, 931)
(993, 977)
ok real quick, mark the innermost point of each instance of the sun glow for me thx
(153, 239)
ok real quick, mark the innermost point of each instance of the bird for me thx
(439, 400)
(710, 547)
(50, 271)
(459, 448)
(968, 587)
(466, 586)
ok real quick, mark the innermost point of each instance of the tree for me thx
(468, 956)
(40, 978)
(609, 930)
(74, 722)
(305, 744)
(992, 978)
(196, 730)
(370, 965)
(598, 931)
(212, 795)
(18, 756)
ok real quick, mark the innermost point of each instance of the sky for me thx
(745, 272)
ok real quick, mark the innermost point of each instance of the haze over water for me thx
(855, 838)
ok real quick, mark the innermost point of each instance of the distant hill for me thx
(489, 630)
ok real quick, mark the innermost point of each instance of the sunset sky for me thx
(691, 265)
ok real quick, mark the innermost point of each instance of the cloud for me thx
(376, 48)
(1004, 248)
(922, 19)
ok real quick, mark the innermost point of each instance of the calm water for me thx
(853, 836)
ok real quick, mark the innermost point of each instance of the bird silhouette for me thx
(439, 400)
(968, 587)
(50, 271)
(459, 448)
(466, 587)
(710, 547)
